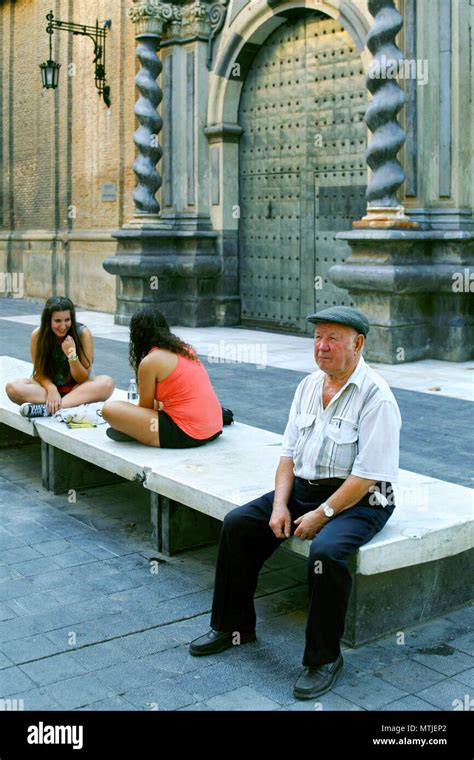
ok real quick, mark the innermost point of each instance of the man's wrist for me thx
(327, 509)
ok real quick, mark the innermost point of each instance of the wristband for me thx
(73, 358)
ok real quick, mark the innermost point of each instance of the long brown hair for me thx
(149, 328)
(43, 366)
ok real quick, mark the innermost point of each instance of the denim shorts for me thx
(172, 437)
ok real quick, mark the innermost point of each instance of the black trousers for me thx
(247, 542)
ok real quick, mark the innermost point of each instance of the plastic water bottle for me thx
(132, 393)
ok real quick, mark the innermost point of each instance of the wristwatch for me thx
(328, 511)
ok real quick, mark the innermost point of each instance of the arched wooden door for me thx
(302, 170)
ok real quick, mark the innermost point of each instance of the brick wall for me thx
(57, 148)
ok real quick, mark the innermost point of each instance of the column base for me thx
(385, 217)
(415, 288)
(175, 269)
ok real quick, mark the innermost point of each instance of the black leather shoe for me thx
(217, 641)
(313, 682)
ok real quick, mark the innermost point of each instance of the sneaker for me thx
(34, 410)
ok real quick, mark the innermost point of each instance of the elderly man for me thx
(333, 485)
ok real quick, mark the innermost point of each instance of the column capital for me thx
(150, 16)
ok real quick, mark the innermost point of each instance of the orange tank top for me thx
(189, 399)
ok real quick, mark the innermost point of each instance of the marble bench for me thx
(419, 565)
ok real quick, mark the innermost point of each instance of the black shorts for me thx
(172, 437)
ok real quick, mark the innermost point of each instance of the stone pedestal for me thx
(415, 288)
(177, 270)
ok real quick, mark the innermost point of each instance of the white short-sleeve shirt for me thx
(357, 434)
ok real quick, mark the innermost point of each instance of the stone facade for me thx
(179, 232)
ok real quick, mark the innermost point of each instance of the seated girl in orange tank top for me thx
(177, 405)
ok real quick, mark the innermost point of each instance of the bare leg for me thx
(98, 389)
(136, 421)
(25, 389)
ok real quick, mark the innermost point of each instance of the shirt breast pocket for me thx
(342, 433)
(304, 421)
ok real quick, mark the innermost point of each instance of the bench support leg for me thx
(62, 472)
(389, 602)
(10, 437)
(176, 527)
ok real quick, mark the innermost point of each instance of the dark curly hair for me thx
(149, 328)
(43, 366)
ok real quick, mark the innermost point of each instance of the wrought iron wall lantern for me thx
(50, 68)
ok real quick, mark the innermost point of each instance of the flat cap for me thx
(342, 315)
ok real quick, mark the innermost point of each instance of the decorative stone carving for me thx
(146, 136)
(217, 16)
(150, 16)
(384, 208)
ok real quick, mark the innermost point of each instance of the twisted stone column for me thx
(384, 208)
(145, 137)
(149, 17)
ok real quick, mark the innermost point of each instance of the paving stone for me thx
(29, 533)
(464, 616)
(442, 630)
(209, 681)
(84, 633)
(9, 541)
(129, 675)
(29, 648)
(408, 703)
(5, 662)
(113, 583)
(244, 698)
(103, 655)
(448, 695)
(36, 699)
(329, 702)
(372, 657)
(368, 692)
(28, 605)
(74, 592)
(18, 628)
(186, 631)
(73, 557)
(76, 613)
(7, 573)
(464, 643)
(14, 681)
(112, 703)
(197, 707)
(20, 554)
(51, 548)
(80, 691)
(443, 658)
(466, 677)
(53, 669)
(147, 642)
(162, 695)
(175, 660)
(16, 588)
(6, 612)
(408, 675)
(35, 566)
